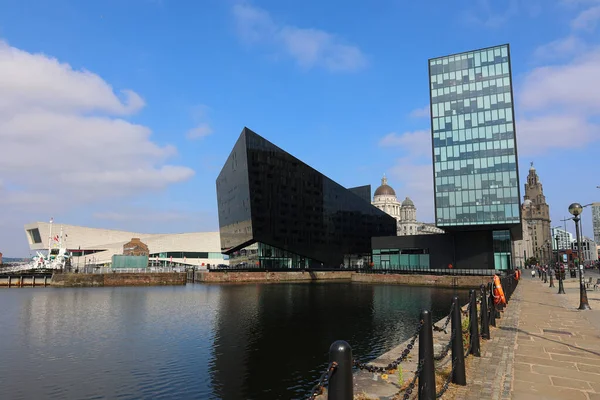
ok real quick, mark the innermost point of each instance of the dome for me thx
(384, 189)
(408, 202)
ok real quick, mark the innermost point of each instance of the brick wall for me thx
(118, 279)
(292, 276)
(424, 280)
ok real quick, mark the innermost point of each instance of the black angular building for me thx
(277, 212)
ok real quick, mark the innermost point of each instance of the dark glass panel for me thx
(292, 207)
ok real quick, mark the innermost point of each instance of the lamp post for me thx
(575, 209)
(561, 287)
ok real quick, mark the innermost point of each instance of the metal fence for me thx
(398, 271)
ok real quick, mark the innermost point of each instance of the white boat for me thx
(58, 256)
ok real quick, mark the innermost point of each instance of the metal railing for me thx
(368, 270)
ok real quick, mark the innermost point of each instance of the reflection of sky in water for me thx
(195, 342)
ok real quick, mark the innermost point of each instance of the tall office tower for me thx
(596, 221)
(536, 214)
(476, 181)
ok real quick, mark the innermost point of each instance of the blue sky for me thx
(120, 114)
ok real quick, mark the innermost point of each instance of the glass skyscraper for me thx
(474, 143)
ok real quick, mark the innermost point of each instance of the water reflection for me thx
(258, 341)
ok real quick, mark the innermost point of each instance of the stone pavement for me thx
(557, 353)
(543, 348)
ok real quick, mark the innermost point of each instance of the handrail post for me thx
(427, 376)
(474, 325)
(341, 386)
(492, 305)
(458, 350)
(485, 321)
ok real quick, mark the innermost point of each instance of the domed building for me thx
(405, 213)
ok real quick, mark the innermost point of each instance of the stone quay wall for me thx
(465, 282)
(291, 276)
(118, 279)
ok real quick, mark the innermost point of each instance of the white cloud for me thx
(414, 170)
(587, 19)
(308, 47)
(144, 215)
(571, 86)
(416, 177)
(199, 131)
(63, 141)
(417, 143)
(36, 81)
(421, 112)
(538, 134)
(562, 48)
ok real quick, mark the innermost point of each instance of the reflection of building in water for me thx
(405, 213)
(269, 336)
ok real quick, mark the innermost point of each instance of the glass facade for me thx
(400, 259)
(268, 197)
(502, 250)
(474, 144)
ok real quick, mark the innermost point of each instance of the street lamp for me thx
(575, 209)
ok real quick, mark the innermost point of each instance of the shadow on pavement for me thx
(550, 340)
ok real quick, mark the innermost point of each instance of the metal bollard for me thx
(473, 324)
(458, 352)
(427, 376)
(492, 308)
(341, 386)
(485, 321)
(551, 279)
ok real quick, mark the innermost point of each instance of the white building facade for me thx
(589, 249)
(565, 239)
(405, 213)
(93, 246)
(596, 221)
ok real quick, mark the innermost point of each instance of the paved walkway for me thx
(543, 348)
(557, 354)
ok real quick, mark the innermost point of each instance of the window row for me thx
(470, 75)
(468, 105)
(477, 134)
(453, 141)
(464, 60)
(508, 213)
(477, 197)
(457, 149)
(476, 164)
(496, 179)
(473, 120)
(461, 88)
(470, 169)
(438, 97)
(472, 155)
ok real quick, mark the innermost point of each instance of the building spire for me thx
(383, 180)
